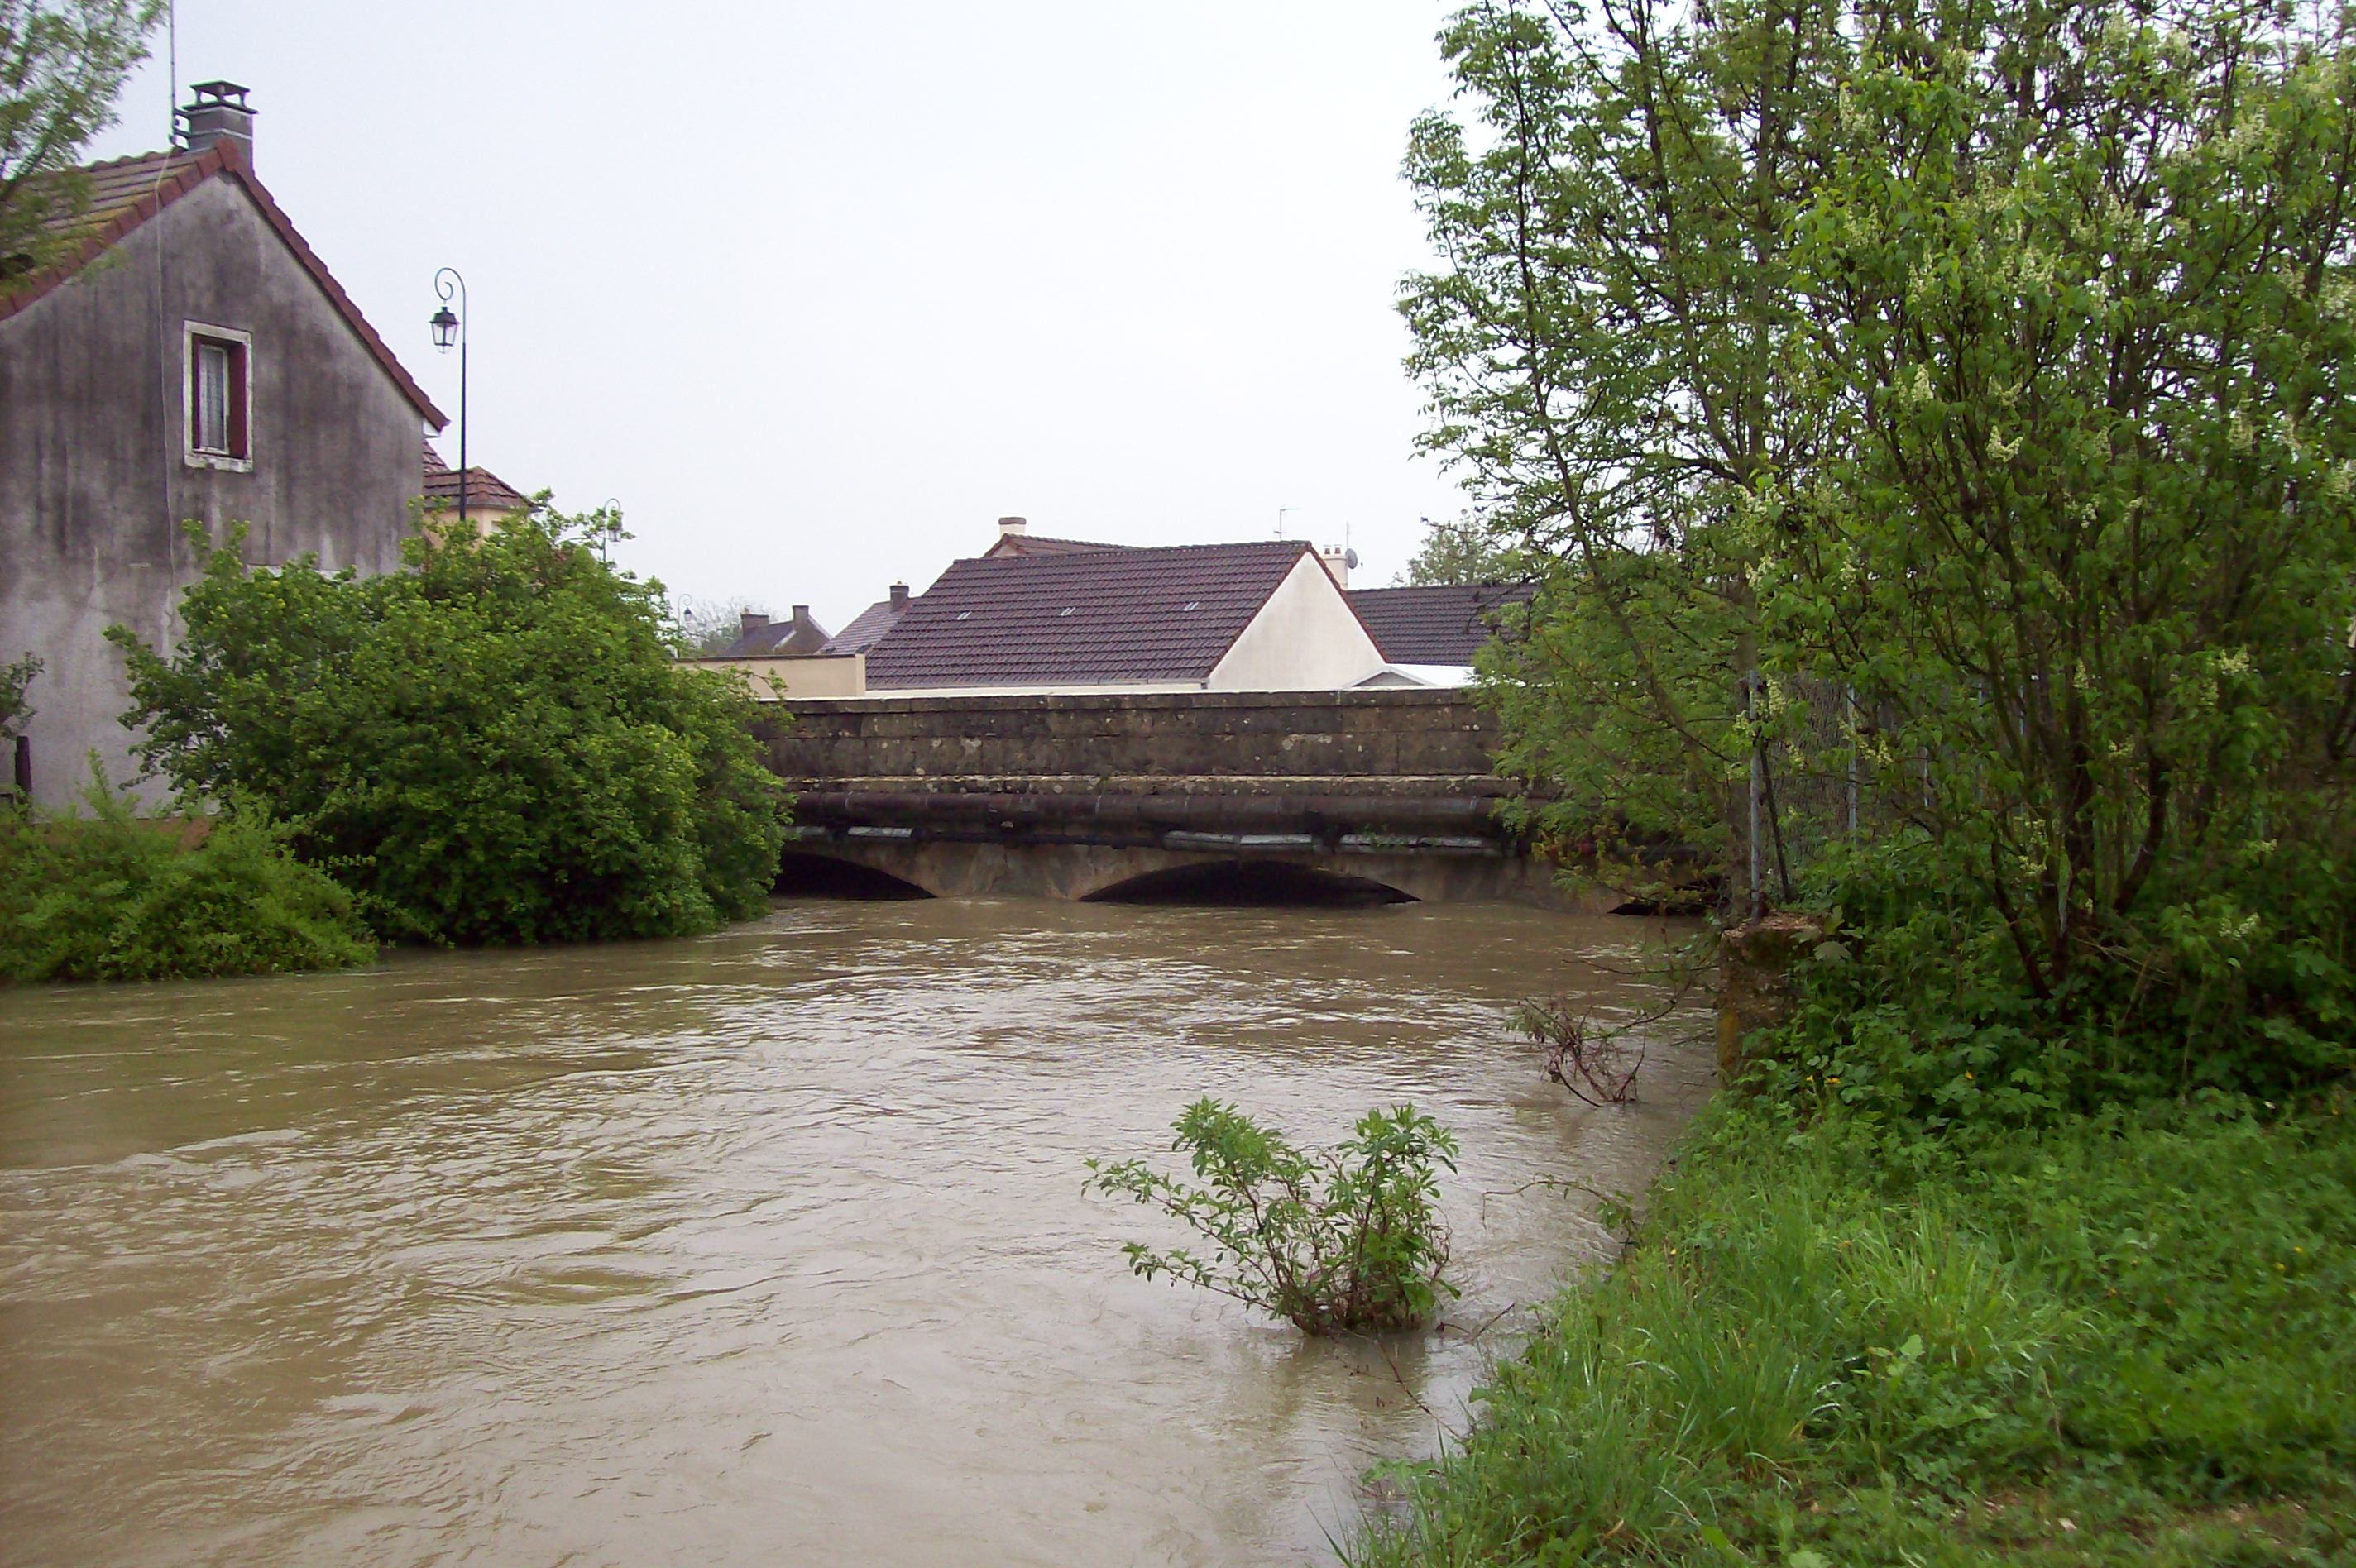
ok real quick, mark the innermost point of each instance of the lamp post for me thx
(449, 329)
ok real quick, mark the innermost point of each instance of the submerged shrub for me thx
(1335, 1240)
(109, 897)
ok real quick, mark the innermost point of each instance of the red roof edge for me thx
(222, 158)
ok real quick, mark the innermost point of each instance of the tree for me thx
(63, 63)
(16, 707)
(1948, 397)
(493, 745)
(1461, 551)
(710, 626)
(1606, 348)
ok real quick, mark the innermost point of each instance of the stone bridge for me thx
(1375, 794)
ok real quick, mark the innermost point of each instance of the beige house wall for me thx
(778, 679)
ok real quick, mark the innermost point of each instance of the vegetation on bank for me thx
(1929, 429)
(496, 744)
(109, 897)
(2128, 1337)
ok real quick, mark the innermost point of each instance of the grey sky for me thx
(817, 292)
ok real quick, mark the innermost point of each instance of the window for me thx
(220, 397)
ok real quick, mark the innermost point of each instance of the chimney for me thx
(899, 597)
(219, 114)
(801, 615)
(1012, 526)
(750, 622)
(1338, 560)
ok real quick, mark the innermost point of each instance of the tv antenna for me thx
(1280, 518)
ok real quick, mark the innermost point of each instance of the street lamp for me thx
(450, 329)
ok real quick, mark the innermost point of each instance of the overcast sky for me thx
(818, 292)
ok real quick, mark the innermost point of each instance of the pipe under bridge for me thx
(1381, 795)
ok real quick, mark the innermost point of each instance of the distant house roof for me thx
(1444, 624)
(1029, 544)
(867, 628)
(1087, 616)
(796, 636)
(126, 192)
(486, 491)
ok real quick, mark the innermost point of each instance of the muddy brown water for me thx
(764, 1248)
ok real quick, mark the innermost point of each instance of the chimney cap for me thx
(1012, 525)
(219, 116)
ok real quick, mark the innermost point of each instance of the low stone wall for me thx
(1389, 740)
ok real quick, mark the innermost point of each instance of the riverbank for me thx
(2123, 1339)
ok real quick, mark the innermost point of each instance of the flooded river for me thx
(765, 1248)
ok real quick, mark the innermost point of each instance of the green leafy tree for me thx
(1608, 353)
(493, 745)
(1462, 550)
(1348, 1240)
(1952, 398)
(15, 705)
(62, 64)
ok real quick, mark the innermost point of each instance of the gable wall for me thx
(1305, 639)
(93, 481)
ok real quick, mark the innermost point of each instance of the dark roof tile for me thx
(867, 628)
(1093, 617)
(1442, 623)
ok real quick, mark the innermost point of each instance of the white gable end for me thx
(1304, 638)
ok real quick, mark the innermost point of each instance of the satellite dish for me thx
(1350, 559)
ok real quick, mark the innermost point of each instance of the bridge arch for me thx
(830, 876)
(1250, 882)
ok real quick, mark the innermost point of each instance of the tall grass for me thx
(1835, 1346)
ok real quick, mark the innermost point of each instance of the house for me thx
(867, 628)
(1261, 617)
(489, 500)
(192, 358)
(1430, 634)
(796, 636)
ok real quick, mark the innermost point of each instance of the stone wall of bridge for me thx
(1389, 742)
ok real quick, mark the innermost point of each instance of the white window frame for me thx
(191, 333)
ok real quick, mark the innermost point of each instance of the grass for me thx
(1834, 1345)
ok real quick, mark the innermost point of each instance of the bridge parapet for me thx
(1070, 795)
(1374, 739)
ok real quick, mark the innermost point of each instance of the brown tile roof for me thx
(1443, 623)
(126, 192)
(867, 627)
(1031, 544)
(1089, 617)
(486, 491)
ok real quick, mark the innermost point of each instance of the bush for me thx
(495, 746)
(1916, 1008)
(110, 898)
(1333, 1242)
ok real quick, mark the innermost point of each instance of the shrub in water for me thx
(1334, 1240)
(110, 898)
